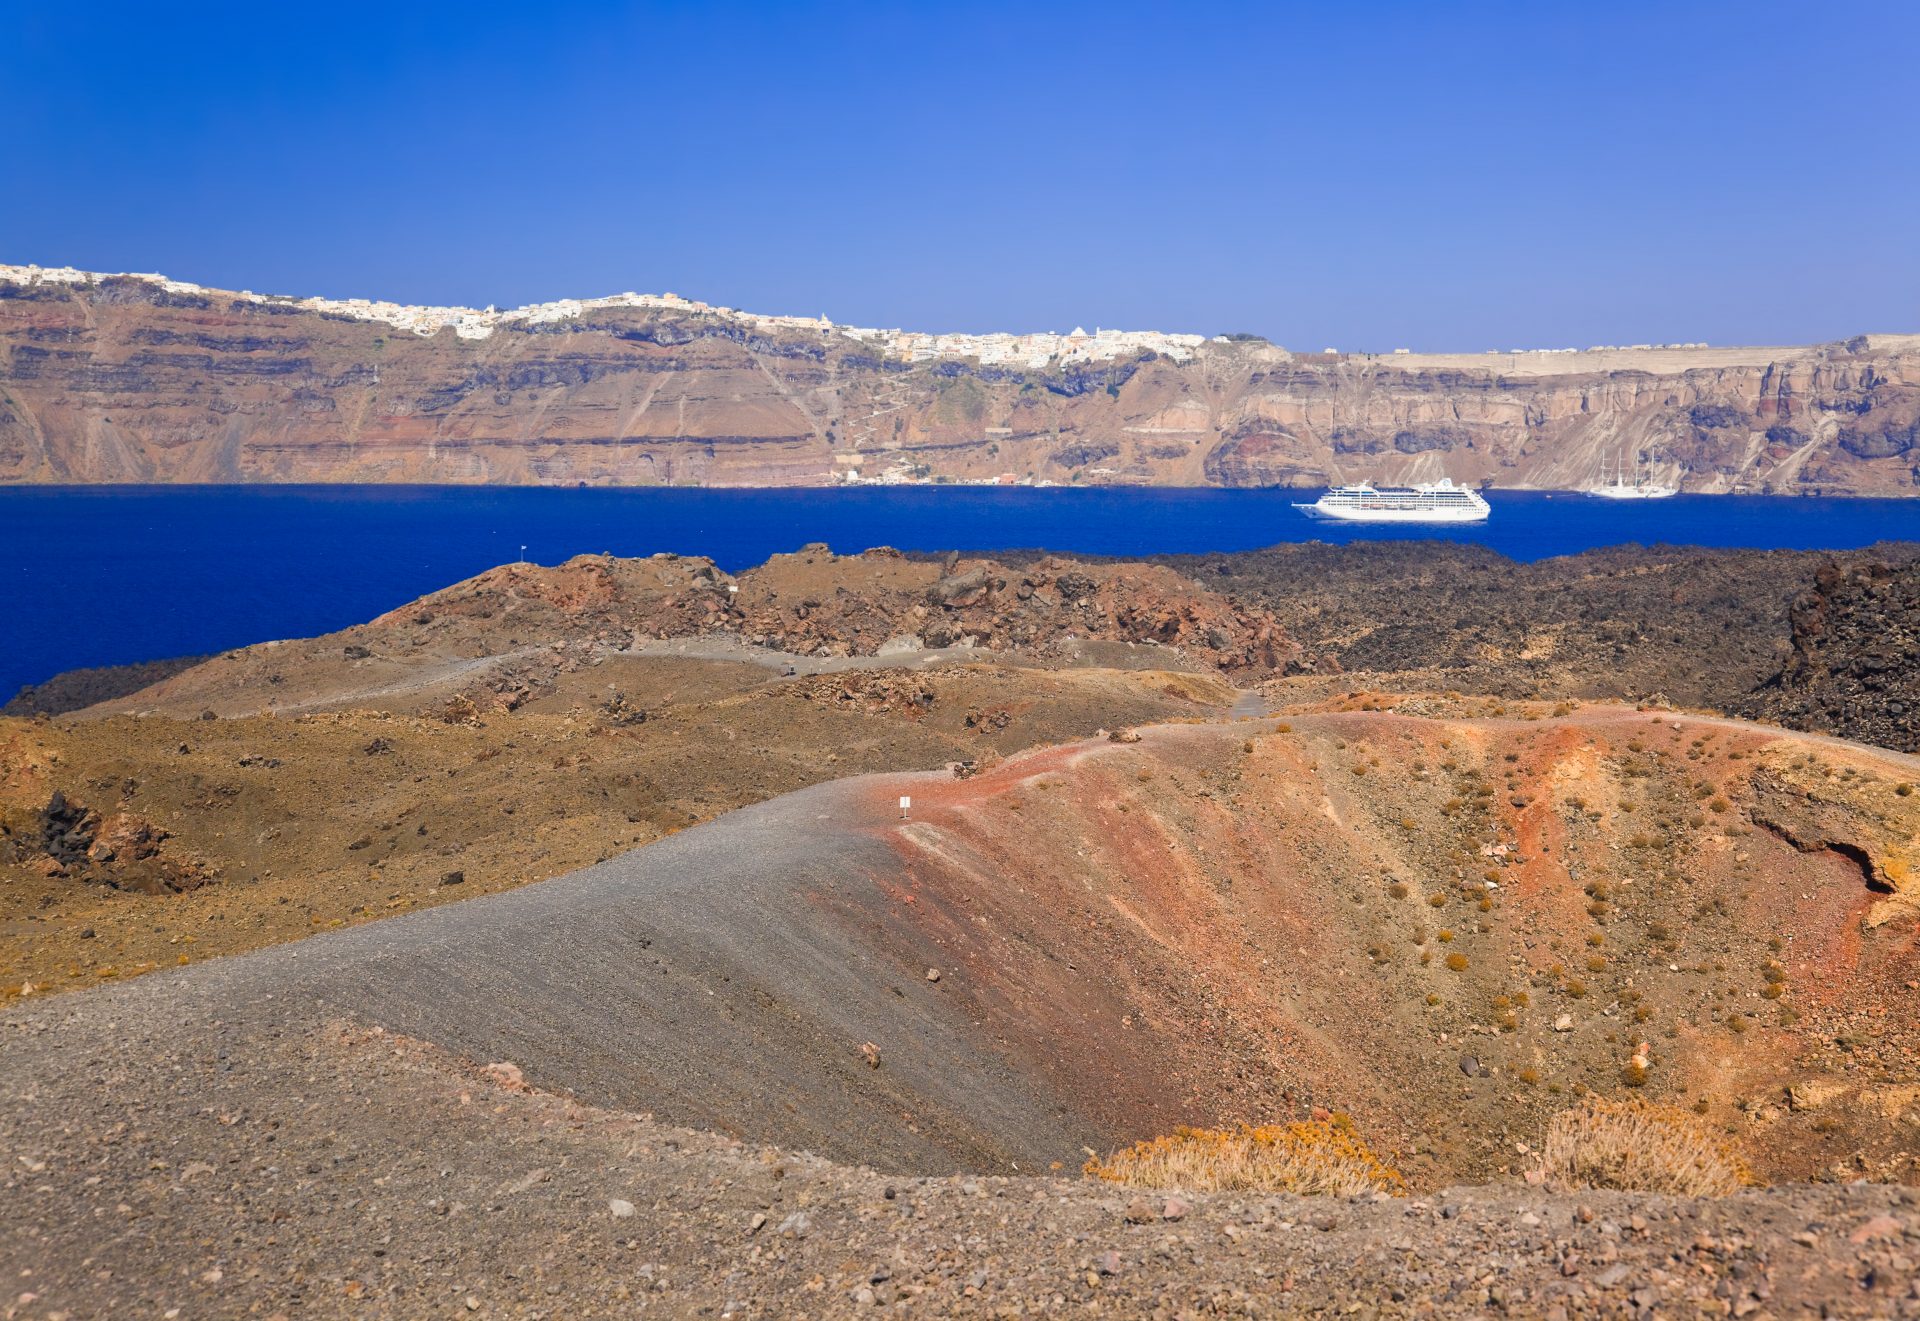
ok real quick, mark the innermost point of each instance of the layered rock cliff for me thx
(131, 379)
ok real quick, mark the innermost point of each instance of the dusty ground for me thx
(188, 1174)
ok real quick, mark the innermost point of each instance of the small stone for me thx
(454, 878)
(1564, 1023)
(506, 1075)
(1176, 1208)
(933, 974)
(473, 1304)
(1139, 1211)
(1881, 1226)
(621, 1208)
(755, 1225)
(1109, 1263)
(796, 1225)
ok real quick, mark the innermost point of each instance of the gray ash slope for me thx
(722, 978)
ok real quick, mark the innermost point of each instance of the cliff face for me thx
(127, 380)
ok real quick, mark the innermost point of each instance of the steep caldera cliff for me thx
(136, 379)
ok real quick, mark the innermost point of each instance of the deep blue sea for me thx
(106, 575)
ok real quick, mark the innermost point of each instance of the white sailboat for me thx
(1641, 488)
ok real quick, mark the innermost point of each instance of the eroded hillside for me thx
(1446, 926)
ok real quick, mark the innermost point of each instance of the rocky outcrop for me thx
(507, 635)
(816, 603)
(120, 850)
(1853, 668)
(124, 380)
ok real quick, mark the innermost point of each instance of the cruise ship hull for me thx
(1359, 514)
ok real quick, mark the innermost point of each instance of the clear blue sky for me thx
(1365, 176)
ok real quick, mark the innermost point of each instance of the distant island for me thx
(143, 379)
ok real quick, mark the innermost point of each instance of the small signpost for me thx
(906, 805)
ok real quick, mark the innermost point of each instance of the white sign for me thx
(905, 803)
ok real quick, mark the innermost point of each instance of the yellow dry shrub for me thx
(1640, 1146)
(1311, 1157)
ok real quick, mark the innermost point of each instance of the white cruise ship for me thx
(1434, 502)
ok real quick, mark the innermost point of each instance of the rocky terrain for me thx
(1856, 634)
(500, 639)
(127, 380)
(761, 1043)
(1814, 640)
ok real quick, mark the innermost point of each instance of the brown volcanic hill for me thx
(499, 639)
(123, 379)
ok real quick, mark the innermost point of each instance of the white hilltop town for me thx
(1034, 351)
(1038, 350)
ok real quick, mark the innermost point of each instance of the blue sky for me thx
(1362, 176)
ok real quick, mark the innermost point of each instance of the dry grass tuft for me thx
(1639, 1146)
(1319, 1156)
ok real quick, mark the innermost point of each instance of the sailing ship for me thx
(1643, 487)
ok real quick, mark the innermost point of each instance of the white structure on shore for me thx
(1033, 350)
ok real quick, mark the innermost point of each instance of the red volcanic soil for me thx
(1448, 928)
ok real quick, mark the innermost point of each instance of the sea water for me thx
(105, 575)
